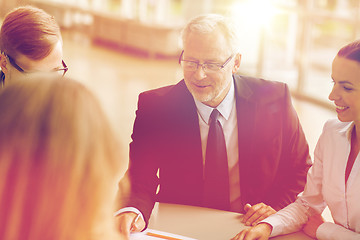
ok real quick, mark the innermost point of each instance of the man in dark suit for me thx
(265, 147)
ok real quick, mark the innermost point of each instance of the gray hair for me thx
(210, 22)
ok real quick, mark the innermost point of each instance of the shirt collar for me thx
(347, 130)
(224, 107)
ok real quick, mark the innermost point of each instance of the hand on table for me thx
(261, 231)
(127, 222)
(256, 213)
(312, 225)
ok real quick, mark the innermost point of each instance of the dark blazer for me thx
(273, 152)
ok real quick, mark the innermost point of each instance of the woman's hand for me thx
(312, 225)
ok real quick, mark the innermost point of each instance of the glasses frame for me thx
(204, 64)
(13, 63)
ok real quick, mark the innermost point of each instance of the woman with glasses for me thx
(334, 179)
(59, 163)
(30, 43)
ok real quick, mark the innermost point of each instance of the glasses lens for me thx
(189, 66)
(60, 72)
(211, 67)
(65, 69)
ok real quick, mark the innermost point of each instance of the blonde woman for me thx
(59, 163)
(334, 179)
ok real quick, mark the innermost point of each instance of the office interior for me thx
(119, 48)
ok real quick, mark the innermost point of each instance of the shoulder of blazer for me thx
(167, 98)
(260, 90)
(335, 125)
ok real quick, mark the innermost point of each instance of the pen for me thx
(161, 236)
(134, 222)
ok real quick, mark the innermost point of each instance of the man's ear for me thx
(237, 63)
(3, 63)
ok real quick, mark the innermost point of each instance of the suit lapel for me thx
(188, 141)
(246, 110)
(188, 123)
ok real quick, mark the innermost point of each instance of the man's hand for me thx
(312, 225)
(256, 213)
(126, 224)
(259, 232)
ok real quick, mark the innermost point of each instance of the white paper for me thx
(146, 235)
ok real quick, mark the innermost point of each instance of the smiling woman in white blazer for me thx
(334, 179)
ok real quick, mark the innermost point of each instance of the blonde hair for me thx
(59, 161)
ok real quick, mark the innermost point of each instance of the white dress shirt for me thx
(228, 121)
(326, 186)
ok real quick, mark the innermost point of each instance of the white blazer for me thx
(326, 186)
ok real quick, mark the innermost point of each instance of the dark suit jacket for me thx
(273, 152)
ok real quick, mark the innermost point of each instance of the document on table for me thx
(151, 234)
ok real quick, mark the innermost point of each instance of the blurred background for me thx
(120, 48)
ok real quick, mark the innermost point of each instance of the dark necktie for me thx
(216, 181)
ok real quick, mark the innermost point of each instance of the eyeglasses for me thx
(61, 71)
(207, 67)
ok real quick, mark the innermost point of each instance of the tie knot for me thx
(214, 115)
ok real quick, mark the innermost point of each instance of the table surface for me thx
(202, 223)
